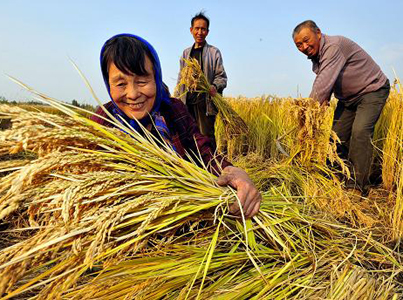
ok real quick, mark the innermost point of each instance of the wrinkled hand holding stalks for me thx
(248, 195)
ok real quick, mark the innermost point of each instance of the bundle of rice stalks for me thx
(354, 282)
(74, 196)
(393, 143)
(112, 214)
(315, 140)
(297, 150)
(388, 141)
(129, 219)
(392, 166)
(193, 80)
(158, 275)
(315, 186)
(303, 137)
(265, 124)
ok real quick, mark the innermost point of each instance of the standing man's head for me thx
(307, 36)
(199, 28)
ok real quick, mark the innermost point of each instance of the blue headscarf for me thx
(162, 95)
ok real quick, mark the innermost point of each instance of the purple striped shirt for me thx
(345, 69)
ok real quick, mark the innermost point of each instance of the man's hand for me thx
(213, 91)
(248, 195)
(324, 103)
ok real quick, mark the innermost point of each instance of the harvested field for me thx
(89, 212)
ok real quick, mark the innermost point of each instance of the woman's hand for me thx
(248, 195)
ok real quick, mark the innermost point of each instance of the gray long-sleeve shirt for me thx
(344, 68)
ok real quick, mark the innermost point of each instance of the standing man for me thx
(345, 69)
(209, 57)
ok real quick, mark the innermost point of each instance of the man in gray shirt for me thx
(345, 69)
(209, 57)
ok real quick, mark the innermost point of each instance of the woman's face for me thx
(133, 94)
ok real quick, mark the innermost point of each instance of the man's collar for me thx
(322, 42)
(204, 45)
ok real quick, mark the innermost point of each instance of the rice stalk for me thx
(116, 216)
(194, 80)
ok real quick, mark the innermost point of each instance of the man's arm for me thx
(178, 93)
(181, 66)
(220, 77)
(330, 68)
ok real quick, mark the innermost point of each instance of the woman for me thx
(133, 77)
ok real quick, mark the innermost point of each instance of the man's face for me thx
(308, 41)
(199, 31)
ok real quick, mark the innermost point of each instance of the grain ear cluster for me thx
(88, 212)
(193, 80)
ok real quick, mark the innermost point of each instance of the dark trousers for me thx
(204, 122)
(354, 124)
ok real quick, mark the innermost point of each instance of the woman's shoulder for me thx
(100, 115)
(175, 101)
(176, 115)
(175, 107)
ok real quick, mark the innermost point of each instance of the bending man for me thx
(345, 69)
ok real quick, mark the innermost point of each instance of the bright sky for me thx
(37, 38)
